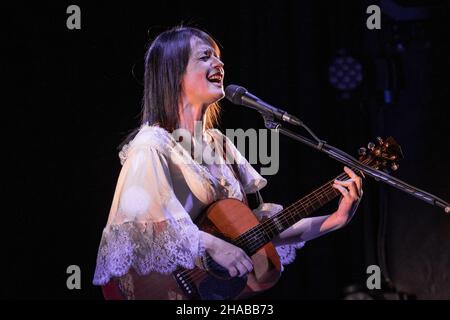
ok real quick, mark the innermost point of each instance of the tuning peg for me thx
(362, 151)
(394, 166)
(380, 140)
(371, 145)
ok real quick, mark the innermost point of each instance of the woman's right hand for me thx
(232, 258)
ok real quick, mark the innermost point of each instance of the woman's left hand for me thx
(352, 192)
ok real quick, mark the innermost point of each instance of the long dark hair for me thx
(166, 61)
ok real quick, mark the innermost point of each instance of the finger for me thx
(248, 265)
(350, 184)
(233, 271)
(359, 186)
(243, 256)
(353, 189)
(248, 260)
(242, 269)
(341, 189)
(350, 172)
(344, 183)
(355, 177)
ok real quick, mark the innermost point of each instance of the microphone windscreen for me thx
(234, 93)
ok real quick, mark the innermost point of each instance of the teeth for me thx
(215, 77)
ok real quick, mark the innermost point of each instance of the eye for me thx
(205, 55)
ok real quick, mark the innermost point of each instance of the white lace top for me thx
(160, 190)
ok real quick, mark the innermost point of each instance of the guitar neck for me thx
(385, 155)
(255, 238)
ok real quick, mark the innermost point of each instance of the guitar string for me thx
(284, 216)
(198, 273)
(308, 200)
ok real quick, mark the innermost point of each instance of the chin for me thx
(221, 96)
(218, 94)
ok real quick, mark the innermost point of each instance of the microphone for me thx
(240, 95)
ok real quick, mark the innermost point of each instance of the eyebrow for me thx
(208, 49)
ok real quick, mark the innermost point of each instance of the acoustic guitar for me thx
(233, 221)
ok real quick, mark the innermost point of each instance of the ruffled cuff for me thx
(251, 180)
(161, 247)
(287, 253)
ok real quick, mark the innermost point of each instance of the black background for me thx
(76, 93)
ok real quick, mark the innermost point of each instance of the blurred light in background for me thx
(345, 73)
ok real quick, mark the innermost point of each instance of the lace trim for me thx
(287, 253)
(160, 247)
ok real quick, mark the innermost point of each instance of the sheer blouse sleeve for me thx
(148, 229)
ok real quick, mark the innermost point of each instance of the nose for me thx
(217, 63)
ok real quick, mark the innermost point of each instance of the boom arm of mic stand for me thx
(350, 161)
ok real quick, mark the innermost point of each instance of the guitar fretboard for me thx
(255, 238)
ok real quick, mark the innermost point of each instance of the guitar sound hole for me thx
(219, 285)
(216, 270)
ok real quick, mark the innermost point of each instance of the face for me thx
(203, 79)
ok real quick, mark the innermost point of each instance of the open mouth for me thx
(216, 78)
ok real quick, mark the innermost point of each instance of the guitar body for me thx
(227, 219)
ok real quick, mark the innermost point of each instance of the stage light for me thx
(345, 72)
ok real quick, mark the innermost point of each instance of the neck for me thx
(189, 114)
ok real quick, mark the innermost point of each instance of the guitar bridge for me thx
(185, 283)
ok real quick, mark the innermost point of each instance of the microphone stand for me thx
(351, 162)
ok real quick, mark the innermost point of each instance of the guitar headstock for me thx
(384, 155)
